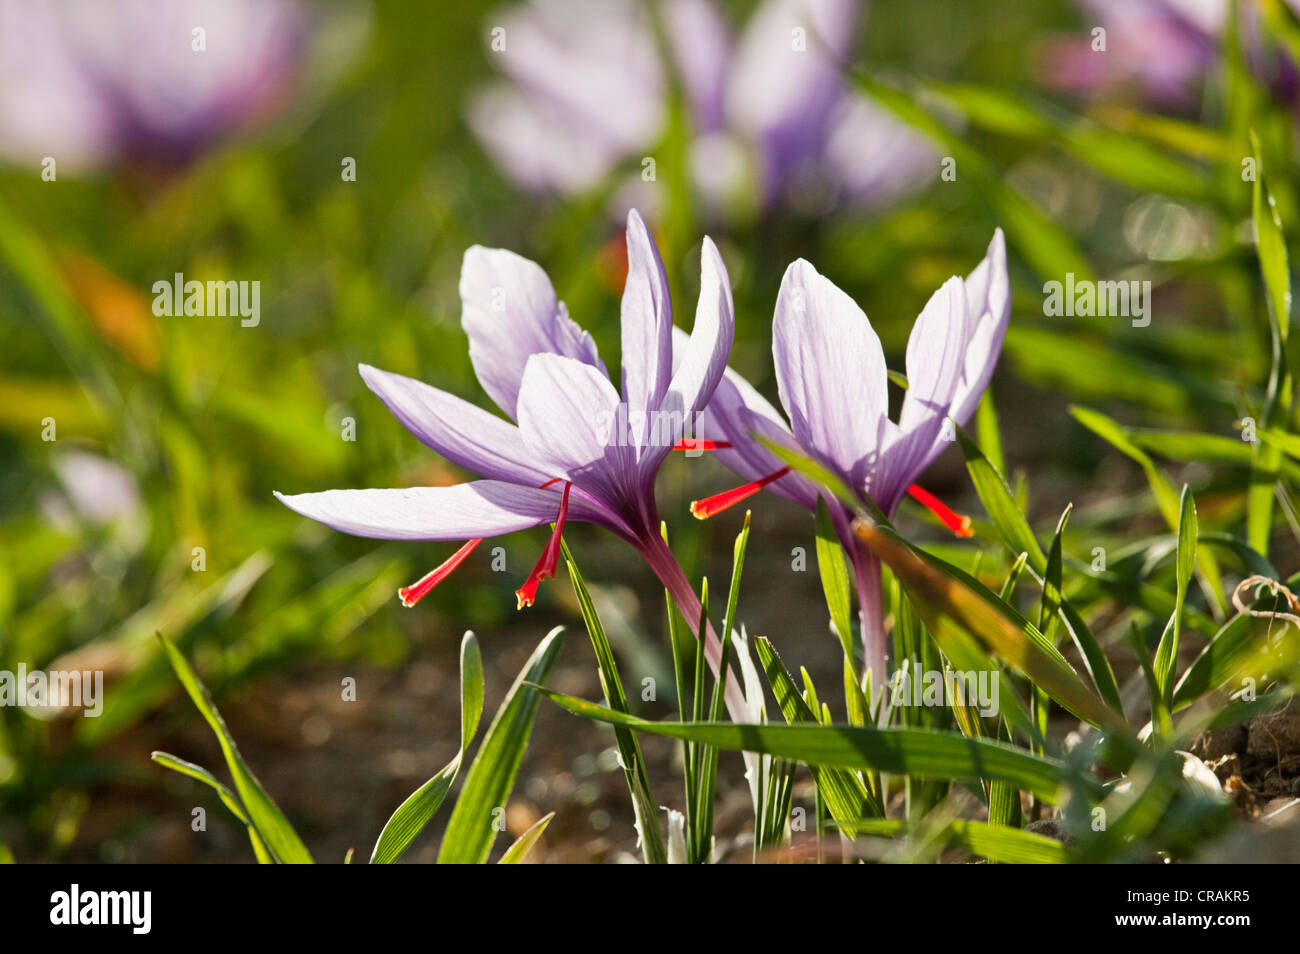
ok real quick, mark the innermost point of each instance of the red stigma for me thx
(712, 506)
(550, 557)
(958, 523)
(410, 595)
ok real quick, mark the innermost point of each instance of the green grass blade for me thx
(1167, 652)
(994, 842)
(1271, 248)
(198, 772)
(266, 818)
(1004, 633)
(1000, 505)
(1239, 650)
(834, 572)
(918, 752)
(1047, 247)
(846, 796)
(1167, 499)
(472, 828)
(629, 750)
(524, 843)
(226, 795)
(410, 818)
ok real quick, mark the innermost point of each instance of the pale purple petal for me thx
(538, 144)
(481, 508)
(989, 307)
(647, 321)
(1166, 47)
(875, 158)
(935, 354)
(783, 86)
(596, 61)
(463, 433)
(709, 347)
(93, 82)
(701, 47)
(698, 362)
(571, 420)
(830, 370)
(98, 488)
(509, 311)
(736, 414)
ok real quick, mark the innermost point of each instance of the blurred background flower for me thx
(589, 86)
(1163, 51)
(94, 488)
(93, 82)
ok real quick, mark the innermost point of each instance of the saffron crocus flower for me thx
(772, 120)
(91, 82)
(1164, 49)
(833, 384)
(575, 448)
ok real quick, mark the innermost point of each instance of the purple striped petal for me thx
(701, 47)
(698, 362)
(463, 433)
(510, 313)
(735, 414)
(782, 97)
(830, 371)
(935, 353)
(570, 417)
(647, 319)
(988, 300)
(481, 508)
(537, 143)
(988, 309)
(596, 61)
(874, 157)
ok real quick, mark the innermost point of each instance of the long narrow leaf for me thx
(474, 821)
(267, 819)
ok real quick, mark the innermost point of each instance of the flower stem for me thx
(871, 613)
(671, 575)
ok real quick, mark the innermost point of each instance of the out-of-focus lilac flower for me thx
(1164, 49)
(94, 488)
(586, 89)
(91, 82)
(833, 385)
(580, 450)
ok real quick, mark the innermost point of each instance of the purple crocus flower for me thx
(90, 82)
(833, 384)
(1163, 48)
(586, 90)
(575, 448)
